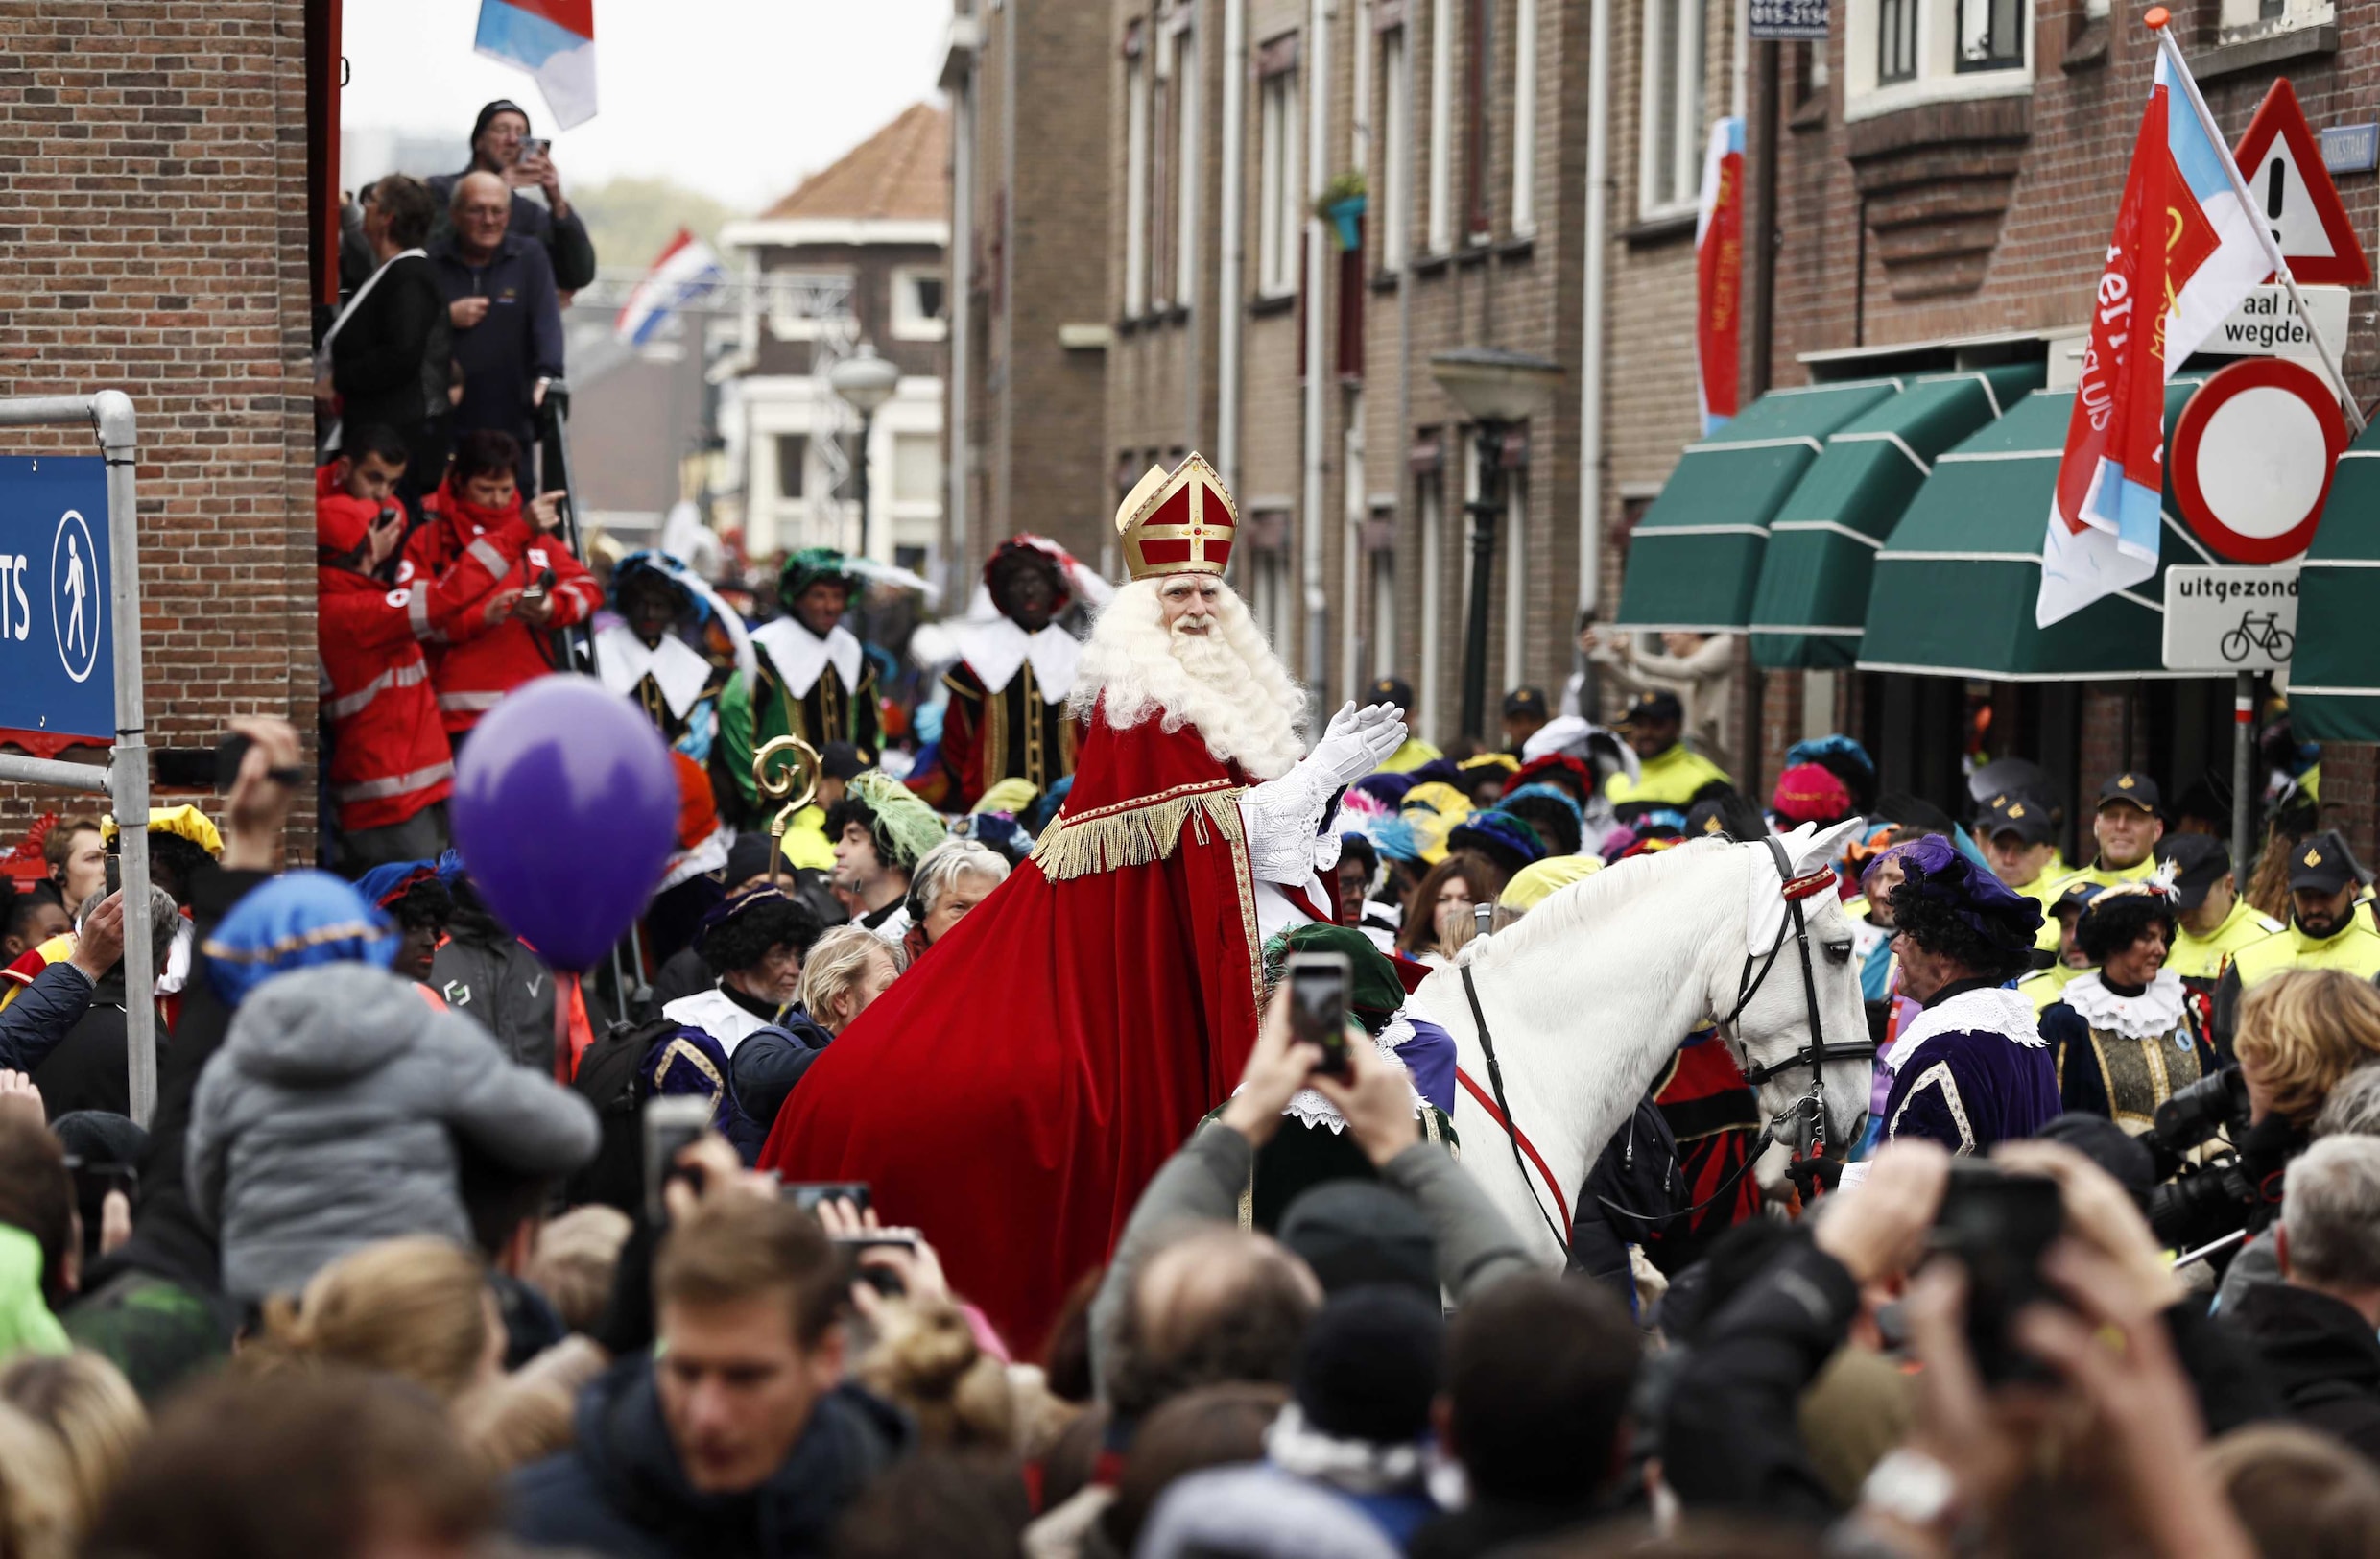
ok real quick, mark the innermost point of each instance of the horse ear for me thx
(1808, 847)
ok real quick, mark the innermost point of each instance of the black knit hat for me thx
(479, 126)
(1369, 1366)
(1354, 1233)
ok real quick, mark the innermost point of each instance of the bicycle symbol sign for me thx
(2231, 620)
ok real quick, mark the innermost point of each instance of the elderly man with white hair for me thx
(1016, 1092)
(2316, 1327)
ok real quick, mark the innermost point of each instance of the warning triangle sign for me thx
(2292, 191)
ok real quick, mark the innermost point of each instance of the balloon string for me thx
(565, 997)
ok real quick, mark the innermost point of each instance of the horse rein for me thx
(1807, 1113)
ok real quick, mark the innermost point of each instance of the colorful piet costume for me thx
(1007, 716)
(819, 689)
(1017, 1089)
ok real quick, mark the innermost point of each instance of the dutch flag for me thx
(2186, 250)
(685, 272)
(554, 41)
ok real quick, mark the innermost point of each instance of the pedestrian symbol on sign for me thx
(74, 606)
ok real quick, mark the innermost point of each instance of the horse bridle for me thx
(1806, 1116)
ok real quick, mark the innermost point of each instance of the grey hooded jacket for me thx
(330, 1119)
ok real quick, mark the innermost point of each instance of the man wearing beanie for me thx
(497, 147)
(1358, 1423)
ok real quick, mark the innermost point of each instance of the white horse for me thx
(1587, 998)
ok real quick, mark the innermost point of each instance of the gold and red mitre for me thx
(1181, 523)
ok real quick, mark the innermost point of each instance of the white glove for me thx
(1356, 742)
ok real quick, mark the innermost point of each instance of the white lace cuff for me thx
(1280, 817)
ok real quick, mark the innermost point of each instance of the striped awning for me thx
(1955, 584)
(2334, 678)
(1811, 605)
(1694, 560)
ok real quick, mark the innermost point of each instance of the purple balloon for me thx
(566, 811)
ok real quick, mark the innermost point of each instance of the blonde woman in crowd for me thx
(89, 1410)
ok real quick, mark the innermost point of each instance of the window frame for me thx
(800, 491)
(1524, 206)
(1135, 174)
(1395, 220)
(1683, 95)
(1937, 77)
(784, 324)
(1186, 106)
(1279, 213)
(1964, 64)
(909, 322)
(1441, 229)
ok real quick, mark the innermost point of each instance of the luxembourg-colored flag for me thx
(686, 272)
(554, 41)
(2184, 254)
(1718, 273)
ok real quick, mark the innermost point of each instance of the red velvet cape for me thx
(1012, 1093)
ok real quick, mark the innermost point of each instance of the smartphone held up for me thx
(1318, 1007)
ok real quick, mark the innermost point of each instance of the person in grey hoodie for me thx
(330, 1119)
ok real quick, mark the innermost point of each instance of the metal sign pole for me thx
(112, 410)
(2243, 771)
(109, 415)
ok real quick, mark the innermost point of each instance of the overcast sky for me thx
(738, 98)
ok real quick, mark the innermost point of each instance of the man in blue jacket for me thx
(502, 306)
(733, 1434)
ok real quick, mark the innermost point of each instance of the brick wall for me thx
(1036, 262)
(154, 241)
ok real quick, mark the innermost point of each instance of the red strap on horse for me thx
(1478, 1095)
(1809, 885)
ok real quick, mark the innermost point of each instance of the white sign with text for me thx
(2230, 620)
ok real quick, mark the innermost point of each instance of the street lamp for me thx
(1495, 388)
(864, 381)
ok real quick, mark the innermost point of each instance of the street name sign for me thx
(2230, 620)
(56, 639)
(1787, 20)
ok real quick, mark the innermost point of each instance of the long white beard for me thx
(1226, 681)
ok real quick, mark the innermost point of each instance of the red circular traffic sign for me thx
(2252, 458)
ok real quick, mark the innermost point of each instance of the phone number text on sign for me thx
(1789, 18)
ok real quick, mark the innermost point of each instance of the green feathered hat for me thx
(1374, 992)
(904, 822)
(815, 565)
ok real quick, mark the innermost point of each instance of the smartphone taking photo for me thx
(1999, 1226)
(1318, 1007)
(672, 1123)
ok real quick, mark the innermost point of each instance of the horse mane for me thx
(1580, 905)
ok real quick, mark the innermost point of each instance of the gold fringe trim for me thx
(1138, 834)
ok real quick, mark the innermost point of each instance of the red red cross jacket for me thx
(390, 757)
(474, 664)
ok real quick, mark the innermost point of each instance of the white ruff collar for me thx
(1988, 1010)
(2152, 1014)
(800, 654)
(1308, 1106)
(674, 665)
(996, 647)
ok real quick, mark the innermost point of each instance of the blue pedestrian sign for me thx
(56, 639)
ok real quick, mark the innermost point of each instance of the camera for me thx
(2199, 1203)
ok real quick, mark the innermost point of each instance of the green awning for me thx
(1695, 558)
(1955, 587)
(2334, 678)
(1812, 601)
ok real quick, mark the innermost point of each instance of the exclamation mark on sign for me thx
(2275, 188)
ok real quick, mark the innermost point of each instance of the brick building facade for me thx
(156, 241)
(1030, 321)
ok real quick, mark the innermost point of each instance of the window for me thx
(1989, 36)
(1396, 152)
(1161, 142)
(916, 468)
(1442, 125)
(793, 461)
(801, 301)
(2261, 19)
(1476, 221)
(1383, 584)
(918, 304)
(1432, 496)
(1186, 167)
(1524, 116)
(1514, 535)
(1896, 41)
(1900, 53)
(1135, 178)
(1279, 165)
(1669, 152)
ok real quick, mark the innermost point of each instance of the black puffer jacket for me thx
(621, 1490)
(2320, 1356)
(769, 1064)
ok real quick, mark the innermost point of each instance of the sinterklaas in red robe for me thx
(1015, 1091)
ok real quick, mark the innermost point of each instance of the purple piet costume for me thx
(1972, 1069)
